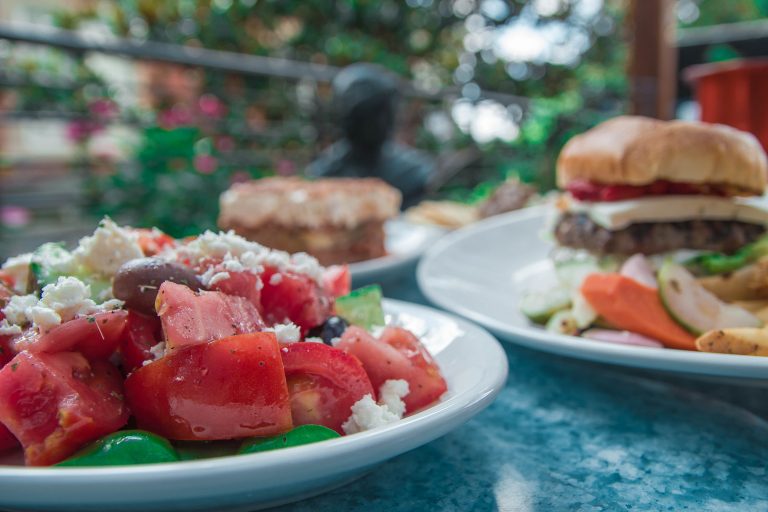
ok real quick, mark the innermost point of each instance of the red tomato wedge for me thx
(230, 388)
(192, 318)
(324, 383)
(7, 439)
(95, 336)
(56, 403)
(241, 284)
(398, 354)
(141, 333)
(337, 280)
(153, 241)
(294, 297)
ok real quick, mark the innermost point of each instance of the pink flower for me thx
(14, 216)
(103, 108)
(80, 130)
(239, 177)
(206, 164)
(174, 117)
(285, 168)
(211, 106)
(225, 144)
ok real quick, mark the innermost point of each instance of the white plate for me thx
(405, 242)
(481, 271)
(472, 361)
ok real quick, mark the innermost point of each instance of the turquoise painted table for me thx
(571, 435)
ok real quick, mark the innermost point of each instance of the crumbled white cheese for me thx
(61, 301)
(276, 279)
(157, 351)
(335, 341)
(211, 276)
(15, 310)
(313, 339)
(17, 268)
(391, 394)
(231, 264)
(108, 248)
(367, 414)
(7, 329)
(251, 255)
(286, 333)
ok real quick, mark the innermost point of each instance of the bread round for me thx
(633, 150)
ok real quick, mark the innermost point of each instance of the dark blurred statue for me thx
(365, 98)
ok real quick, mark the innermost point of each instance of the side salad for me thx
(137, 348)
(710, 302)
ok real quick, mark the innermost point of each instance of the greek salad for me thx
(138, 348)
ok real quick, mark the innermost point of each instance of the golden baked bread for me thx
(336, 220)
(633, 150)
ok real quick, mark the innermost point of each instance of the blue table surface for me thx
(572, 435)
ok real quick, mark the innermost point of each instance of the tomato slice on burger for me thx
(398, 354)
(324, 383)
(229, 388)
(56, 403)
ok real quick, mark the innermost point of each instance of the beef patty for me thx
(577, 230)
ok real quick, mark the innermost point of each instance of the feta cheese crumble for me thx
(17, 268)
(59, 302)
(250, 256)
(367, 414)
(108, 248)
(286, 333)
(313, 339)
(157, 351)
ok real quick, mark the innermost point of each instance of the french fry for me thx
(748, 283)
(746, 341)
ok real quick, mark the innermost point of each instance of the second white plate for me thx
(481, 272)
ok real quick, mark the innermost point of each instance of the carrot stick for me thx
(630, 305)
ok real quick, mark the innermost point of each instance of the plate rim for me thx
(701, 363)
(423, 427)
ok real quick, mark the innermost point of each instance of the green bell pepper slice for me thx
(124, 447)
(305, 434)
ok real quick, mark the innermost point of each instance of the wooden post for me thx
(653, 58)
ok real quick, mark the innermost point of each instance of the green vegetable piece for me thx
(195, 450)
(563, 322)
(362, 307)
(124, 447)
(305, 434)
(713, 263)
(540, 305)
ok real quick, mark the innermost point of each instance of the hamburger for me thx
(640, 185)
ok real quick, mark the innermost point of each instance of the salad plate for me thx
(472, 361)
(482, 271)
(405, 242)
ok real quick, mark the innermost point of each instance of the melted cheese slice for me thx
(620, 214)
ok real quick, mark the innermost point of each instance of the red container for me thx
(735, 93)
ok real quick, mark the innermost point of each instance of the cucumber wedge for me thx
(540, 305)
(563, 322)
(694, 307)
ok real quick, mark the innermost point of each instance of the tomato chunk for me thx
(56, 403)
(7, 439)
(337, 280)
(324, 383)
(398, 354)
(192, 318)
(287, 296)
(153, 241)
(230, 388)
(141, 333)
(241, 284)
(95, 336)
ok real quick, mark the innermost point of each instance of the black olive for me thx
(332, 328)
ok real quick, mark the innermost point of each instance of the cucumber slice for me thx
(362, 307)
(572, 272)
(694, 307)
(540, 305)
(563, 322)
